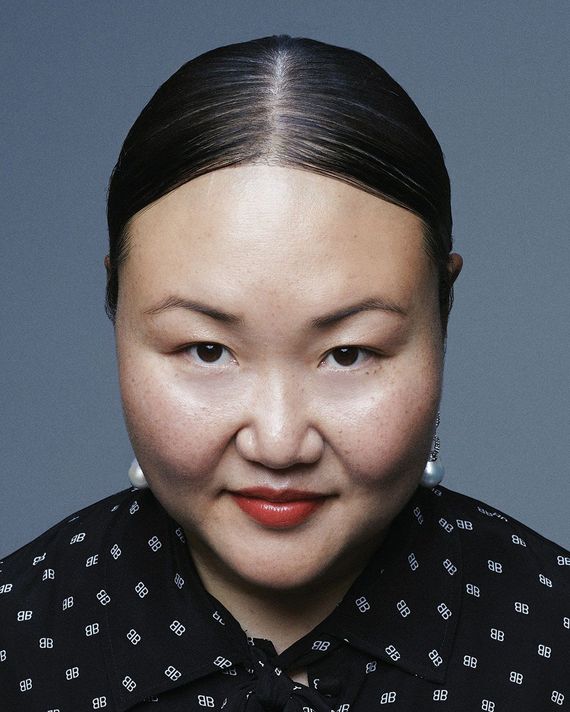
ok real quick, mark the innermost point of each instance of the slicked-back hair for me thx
(287, 101)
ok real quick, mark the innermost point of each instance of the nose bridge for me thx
(279, 430)
(279, 404)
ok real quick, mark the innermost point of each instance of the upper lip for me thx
(278, 495)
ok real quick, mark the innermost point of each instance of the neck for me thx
(282, 616)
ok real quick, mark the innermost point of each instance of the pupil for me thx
(346, 355)
(209, 352)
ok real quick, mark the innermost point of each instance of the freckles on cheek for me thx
(178, 437)
(387, 436)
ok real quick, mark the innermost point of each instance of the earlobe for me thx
(454, 265)
(107, 262)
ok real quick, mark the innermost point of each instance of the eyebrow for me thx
(191, 305)
(319, 322)
(370, 304)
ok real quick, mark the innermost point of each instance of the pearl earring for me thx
(136, 475)
(434, 471)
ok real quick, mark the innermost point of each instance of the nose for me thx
(277, 432)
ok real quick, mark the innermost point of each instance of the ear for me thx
(454, 266)
(107, 262)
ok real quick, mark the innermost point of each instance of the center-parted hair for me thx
(287, 101)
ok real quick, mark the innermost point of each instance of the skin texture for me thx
(279, 406)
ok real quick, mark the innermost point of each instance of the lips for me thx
(278, 509)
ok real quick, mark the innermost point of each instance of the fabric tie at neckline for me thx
(274, 691)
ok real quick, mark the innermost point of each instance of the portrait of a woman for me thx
(280, 276)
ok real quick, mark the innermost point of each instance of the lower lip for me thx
(278, 515)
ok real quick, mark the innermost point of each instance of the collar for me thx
(402, 609)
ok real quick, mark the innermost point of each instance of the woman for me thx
(280, 277)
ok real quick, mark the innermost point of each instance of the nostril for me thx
(279, 450)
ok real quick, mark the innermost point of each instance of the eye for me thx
(347, 356)
(207, 353)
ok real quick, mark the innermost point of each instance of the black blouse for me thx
(461, 609)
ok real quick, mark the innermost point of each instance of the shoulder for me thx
(61, 541)
(496, 544)
(516, 584)
(513, 622)
(483, 525)
(499, 552)
(57, 560)
(48, 595)
(72, 550)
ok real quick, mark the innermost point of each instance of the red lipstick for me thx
(277, 509)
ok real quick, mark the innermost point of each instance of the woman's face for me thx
(280, 360)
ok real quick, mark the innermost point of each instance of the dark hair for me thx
(289, 101)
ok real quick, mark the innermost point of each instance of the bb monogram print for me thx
(461, 609)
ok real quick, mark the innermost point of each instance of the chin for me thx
(285, 576)
(285, 581)
(291, 564)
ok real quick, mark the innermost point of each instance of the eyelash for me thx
(369, 354)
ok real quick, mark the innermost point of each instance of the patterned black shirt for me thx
(461, 609)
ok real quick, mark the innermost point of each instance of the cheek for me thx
(178, 432)
(387, 430)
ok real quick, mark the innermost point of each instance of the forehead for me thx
(274, 230)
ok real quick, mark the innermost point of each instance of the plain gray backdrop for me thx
(491, 79)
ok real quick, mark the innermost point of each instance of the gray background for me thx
(491, 78)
